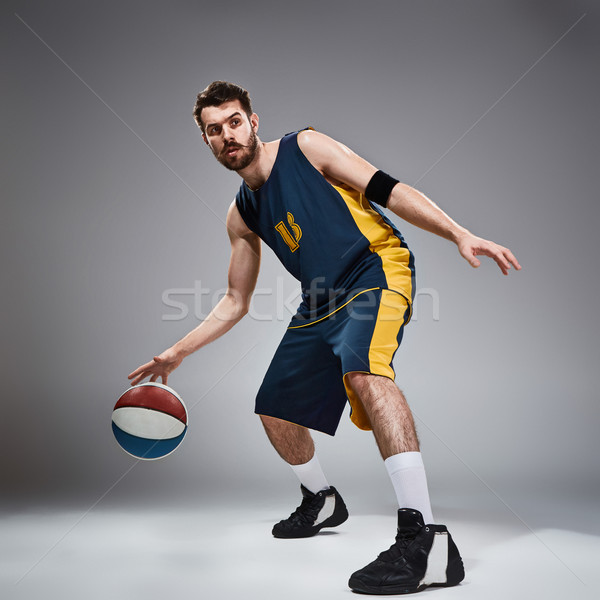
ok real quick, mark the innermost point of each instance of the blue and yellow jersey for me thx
(330, 238)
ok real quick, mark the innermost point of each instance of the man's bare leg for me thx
(322, 506)
(293, 443)
(401, 569)
(394, 430)
(388, 411)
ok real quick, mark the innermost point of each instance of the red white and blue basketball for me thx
(149, 421)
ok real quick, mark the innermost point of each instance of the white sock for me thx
(311, 475)
(407, 472)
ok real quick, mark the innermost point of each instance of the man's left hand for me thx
(471, 246)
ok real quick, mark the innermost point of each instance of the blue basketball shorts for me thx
(306, 381)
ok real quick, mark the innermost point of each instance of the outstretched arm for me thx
(339, 164)
(417, 209)
(243, 273)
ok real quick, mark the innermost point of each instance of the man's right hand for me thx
(160, 366)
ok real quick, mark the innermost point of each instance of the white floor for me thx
(224, 553)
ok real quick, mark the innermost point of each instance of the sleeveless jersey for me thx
(330, 238)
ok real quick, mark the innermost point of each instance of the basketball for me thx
(149, 421)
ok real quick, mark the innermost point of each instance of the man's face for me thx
(230, 134)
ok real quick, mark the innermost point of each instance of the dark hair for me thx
(217, 93)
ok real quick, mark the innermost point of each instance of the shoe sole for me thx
(360, 588)
(456, 572)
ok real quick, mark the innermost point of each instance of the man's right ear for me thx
(204, 138)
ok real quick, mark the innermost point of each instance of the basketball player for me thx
(316, 204)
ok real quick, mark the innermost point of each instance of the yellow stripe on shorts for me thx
(384, 343)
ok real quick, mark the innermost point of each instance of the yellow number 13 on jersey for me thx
(290, 239)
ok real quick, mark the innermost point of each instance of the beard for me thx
(246, 154)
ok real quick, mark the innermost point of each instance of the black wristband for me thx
(380, 187)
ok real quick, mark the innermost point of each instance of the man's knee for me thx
(293, 443)
(279, 426)
(365, 384)
(272, 423)
(377, 392)
(266, 420)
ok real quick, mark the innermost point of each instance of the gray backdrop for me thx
(113, 220)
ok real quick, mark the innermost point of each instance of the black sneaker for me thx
(423, 555)
(323, 509)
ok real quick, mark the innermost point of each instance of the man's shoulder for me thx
(306, 135)
(298, 131)
(318, 148)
